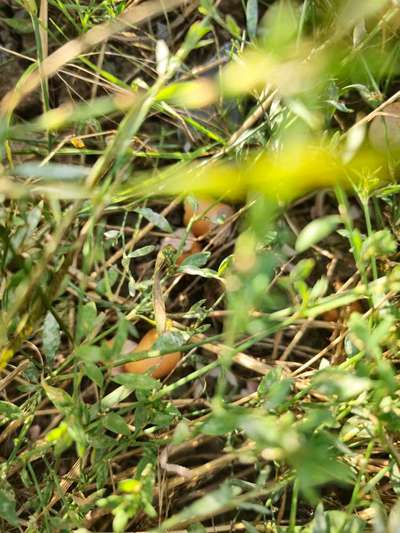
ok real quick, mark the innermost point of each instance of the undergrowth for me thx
(283, 413)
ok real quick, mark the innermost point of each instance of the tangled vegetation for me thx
(199, 270)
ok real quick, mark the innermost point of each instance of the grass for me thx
(282, 414)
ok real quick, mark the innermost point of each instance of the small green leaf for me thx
(366, 338)
(78, 434)
(278, 393)
(196, 260)
(33, 219)
(89, 354)
(220, 424)
(273, 376)
(340, 106)
(116, 424)
(224, 265)
(108, 281)
(140, 252)
(51, 171)
(315, 231)
(21, 25)
(57, 433)
(7, 506)
(30, 6)
(196, 32)
(302, 270)
(121, 520)
(252, 18)
(171, 340)
(207, 6)
(155, 218)
(94, 373)
(378, 244)
(130, 486)
(61, 399)
(181, 433)
(195, 271)
(9, 410)
(51, 337)
(87, 315)
(320, 524)
(210, 504)
(319, 290)
(232, 26)
(112, 234)
(136, 381)
(341, 384)
(335, 521)
(114, 397)
(118, 344)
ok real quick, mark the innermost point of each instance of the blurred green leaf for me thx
(171, 340)
(116, 424)
(110, 278)
(224, 265)
(85, 321)
(59, 397)
(94, 373)
(155, 218)
(319, 289)
(302, 270)
(208, 505)
(140, 252)
(8, 505)
(232, 26)
(196, 271)
(135, 382)
(89, 353)
(379, 244)
(51, 171)
(317, 463)
(334, 521)
(252, 18)
(21, 25)
(315, 231)
(51, 337)
(367, 338)
(225, 422)
(196, 260)
(342, 384)
(9, 411)
(116, 396)
(277, 394)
